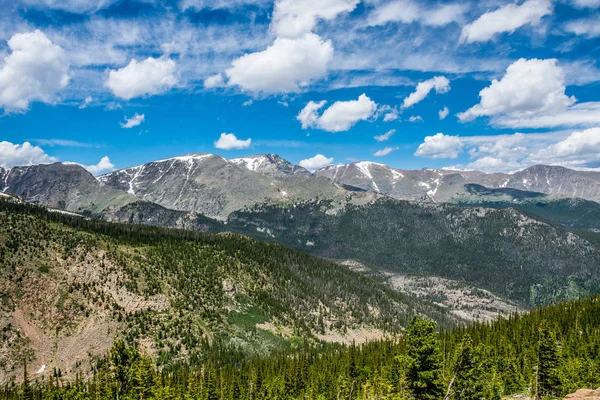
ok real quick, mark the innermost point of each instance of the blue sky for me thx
(490, 85)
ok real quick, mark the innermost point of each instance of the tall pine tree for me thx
(423, 355)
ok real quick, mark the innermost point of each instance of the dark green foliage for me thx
(548, 380)
(470, 374)
(423, 360)
(557, 346)
(533, 263)
(400, 369)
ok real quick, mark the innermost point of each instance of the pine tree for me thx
(548, 381)
(467, 382)
(423, 357)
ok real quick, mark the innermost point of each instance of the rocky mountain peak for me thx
(270, 165)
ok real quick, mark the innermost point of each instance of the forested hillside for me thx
(545, 354)
(70, 286)
(502, 250)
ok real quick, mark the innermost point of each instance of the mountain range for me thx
(457, 246)
(338, 211)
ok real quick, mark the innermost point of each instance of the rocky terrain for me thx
(215, 187)
(441, 185)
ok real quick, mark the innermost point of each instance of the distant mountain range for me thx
(441, 185)
(359, 212)
(215, 187)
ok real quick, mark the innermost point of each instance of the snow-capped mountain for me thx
(270, 165)
(214, 186)
(442, 185)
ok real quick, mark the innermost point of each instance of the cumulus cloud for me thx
(439, 83)
(228, 141)
(292, 18)
(579, 150)
(532, 94)
(340, 116)
(415, 118)
(35, 70)
(148, 77)
(214, 81)
(511, 152)
(508, 18)
(134, 121)
(443, 113)
(391, 116)
(316, 162)
(385, 151)
(584, 27)
(385, 136)
(408, 11)
(104, 165)
(440, 146)
(285, 66)
(12, 155)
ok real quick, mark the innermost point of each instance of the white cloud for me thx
(293, 18)
(385, 151)
(443, 113)
(35, 70)
(532, 94)
(136, 120)
(407, 11)
(219, 4)
(385, 136)
(285, 66)
(440, 146)
(340, 116)
(104, 165)
(512, 152)
(214, 81)
(86, 102)
(391, 116)
(228, 141)
(74, 6)
(579, 150)
(584, 27)
(440, 83)
(415, 118)
(586, 3)
(12, 155)
(64, 143)
(508, 18)
(149, 77)
(309, 116)
(316, 162)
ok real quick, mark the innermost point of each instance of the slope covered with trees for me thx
(70, 286)
(504, 251)
(545, 354)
